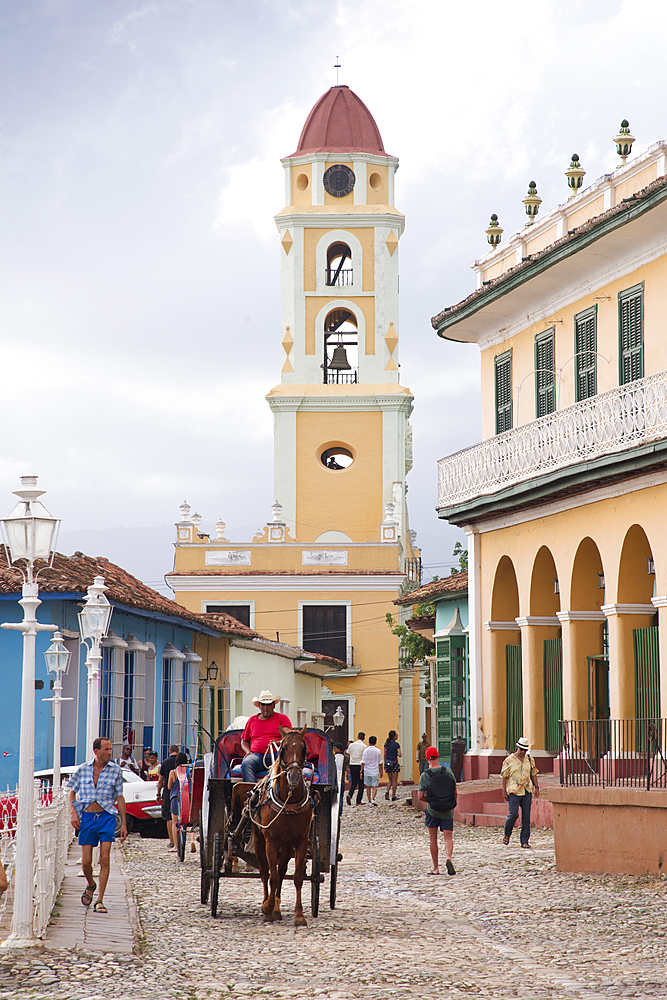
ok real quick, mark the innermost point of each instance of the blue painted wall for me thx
(63, 613)
(445, 608)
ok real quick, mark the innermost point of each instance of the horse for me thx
(281, 824)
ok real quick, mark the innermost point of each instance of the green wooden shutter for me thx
(443, 681)
(545, 378)
(553, 692)
(647, 673)
(585, 358)
(631, 333)
(514, 696)
(503, 370)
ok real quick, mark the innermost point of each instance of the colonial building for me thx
(564, 500)
(324, 571)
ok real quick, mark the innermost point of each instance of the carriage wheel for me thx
(215, 875)
(181, 839)
(315, 878)
(332, 886)
(202, 861)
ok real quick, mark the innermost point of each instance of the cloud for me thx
(123, 31)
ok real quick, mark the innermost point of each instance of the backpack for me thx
(441, 790)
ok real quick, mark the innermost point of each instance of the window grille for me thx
(647, 673)
(631, 333)
(106, 691)
(553, 692)
(585, 358)
(545, 376)
(503, 376)
(167, 704)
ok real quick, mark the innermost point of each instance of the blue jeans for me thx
(252, 765)
(517, 802)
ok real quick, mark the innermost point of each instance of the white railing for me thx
(53, 835)
(613, 421)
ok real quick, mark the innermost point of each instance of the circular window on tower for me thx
(336, 457)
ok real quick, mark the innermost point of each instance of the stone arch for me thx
(505, 592)
(586, 594)
(544, 600)
(635, 583)
(322, 256)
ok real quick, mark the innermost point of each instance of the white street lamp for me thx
(28, 533)
(94, 620)
(57, 658)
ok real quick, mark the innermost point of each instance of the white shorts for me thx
(371, 780)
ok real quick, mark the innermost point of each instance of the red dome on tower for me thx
(340, 123)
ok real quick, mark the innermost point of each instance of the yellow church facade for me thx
(337, 551)
(564, 499)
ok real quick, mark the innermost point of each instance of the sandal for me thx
(99, 907)
(88, 893)
(387, 796)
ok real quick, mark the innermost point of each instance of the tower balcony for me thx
(599, 431)
(335, 277)
(332, 377)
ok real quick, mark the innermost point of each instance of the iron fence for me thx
(616, 752)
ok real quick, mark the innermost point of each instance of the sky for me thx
(140, 149)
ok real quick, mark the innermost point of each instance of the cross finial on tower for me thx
(337, 67)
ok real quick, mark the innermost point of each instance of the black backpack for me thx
(441, 790)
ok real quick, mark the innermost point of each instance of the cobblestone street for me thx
(507, 925)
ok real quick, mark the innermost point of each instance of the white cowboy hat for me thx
(523, 744)
(265, 698)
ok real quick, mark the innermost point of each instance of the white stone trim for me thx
(486, 753)
(501, 626)
(323, 584)
(659, 602)
(627, 609)
(538, 621)
(380, 159)
(580, 616)
(364, 219)
(400, 401)
(549, 507)
(475, 673)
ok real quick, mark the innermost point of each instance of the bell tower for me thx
(342, 438)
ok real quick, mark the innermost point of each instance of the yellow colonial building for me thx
(564, 500)
(327, 567)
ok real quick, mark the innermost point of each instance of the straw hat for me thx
(265, 698)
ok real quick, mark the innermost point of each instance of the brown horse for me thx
(282, 824)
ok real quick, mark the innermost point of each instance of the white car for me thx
(142, 806)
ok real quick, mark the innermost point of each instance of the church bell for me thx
(339, 360)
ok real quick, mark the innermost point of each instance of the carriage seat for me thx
(309, 772)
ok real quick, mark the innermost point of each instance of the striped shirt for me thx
(109, 786)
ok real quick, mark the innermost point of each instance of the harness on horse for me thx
(266, 792)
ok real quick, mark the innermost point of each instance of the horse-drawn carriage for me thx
(233, 811)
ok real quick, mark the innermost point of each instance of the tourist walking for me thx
(422, 747)
(356, 752)
(392, 764)
(166, 767)
(519, 782)
(437, 787)
(371, 769)
(96, 798)
(174, 789)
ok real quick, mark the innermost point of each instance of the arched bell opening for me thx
(341, 348)
(339, 265)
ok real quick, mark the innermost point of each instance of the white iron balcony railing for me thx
(611, 422)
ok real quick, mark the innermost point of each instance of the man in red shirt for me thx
(259, 731)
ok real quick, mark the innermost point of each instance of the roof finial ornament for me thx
(493, 232)
(575, 175)
(532, 201)
(337, 67)
(624, 141)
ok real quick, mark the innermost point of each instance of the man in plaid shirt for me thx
(95, 789)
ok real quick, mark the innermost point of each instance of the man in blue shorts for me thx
(435, 788)
(95, 790)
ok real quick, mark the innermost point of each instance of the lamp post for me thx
(57, 658)
(28, 532)
(94, 620)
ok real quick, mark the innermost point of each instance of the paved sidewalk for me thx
(76, 926)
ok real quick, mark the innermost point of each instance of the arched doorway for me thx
(543, 666)
(341, 348)
(637, 635)
(586, 637)
(505, 639)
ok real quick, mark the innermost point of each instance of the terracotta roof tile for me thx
(448, 585)
(74, 574)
